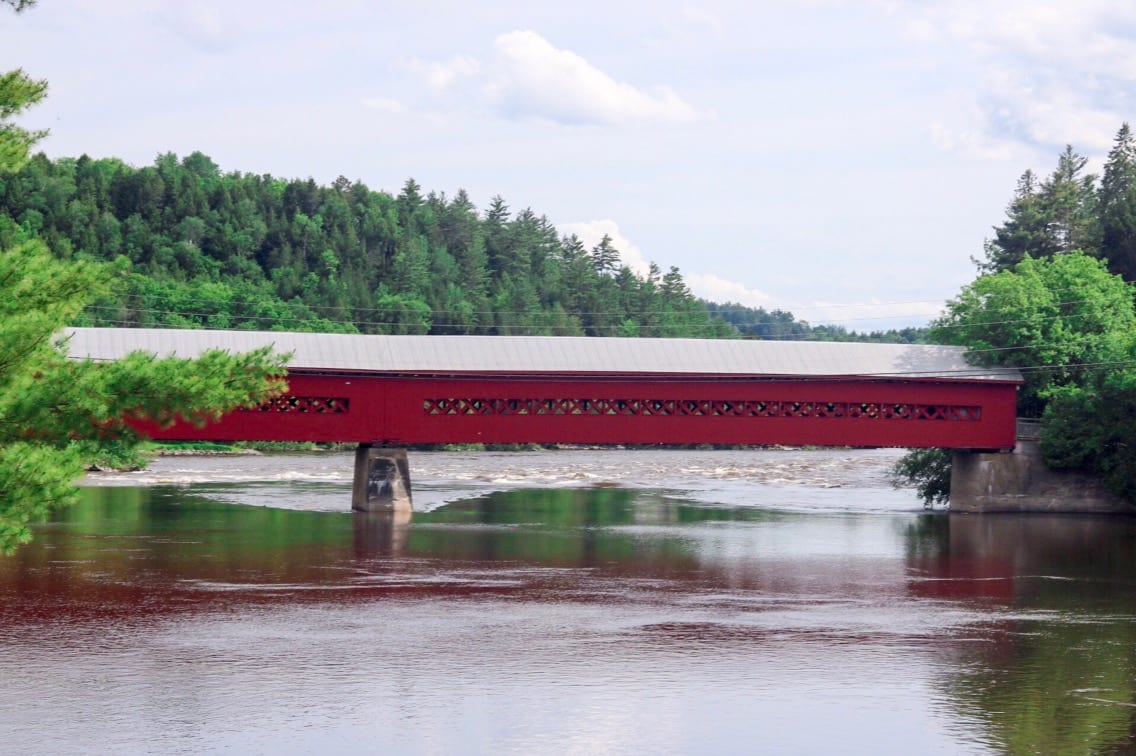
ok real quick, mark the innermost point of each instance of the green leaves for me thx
(18, 92)
(229, 250)
(1061, 320)
(1117, 206)
(929, 470)
(49, 403)
(1055, 217)
(1093, 429)
(1070, 326)
(34, 479)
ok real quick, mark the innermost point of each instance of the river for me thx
(591, 602)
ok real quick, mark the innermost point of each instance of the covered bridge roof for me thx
(558, 355)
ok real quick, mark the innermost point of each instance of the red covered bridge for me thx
(401, 390)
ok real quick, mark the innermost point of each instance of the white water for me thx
(837, 480)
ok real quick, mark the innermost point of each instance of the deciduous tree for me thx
(1061, 320)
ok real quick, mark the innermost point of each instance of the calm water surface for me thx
(563, 602)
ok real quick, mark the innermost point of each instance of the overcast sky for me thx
(843, 159)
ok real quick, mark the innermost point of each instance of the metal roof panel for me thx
(548, 354)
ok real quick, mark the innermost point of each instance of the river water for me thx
(592, 602)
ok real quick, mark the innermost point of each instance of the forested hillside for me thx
(199, 247)
(779, 325)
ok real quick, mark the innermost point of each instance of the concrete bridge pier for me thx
(382, 480)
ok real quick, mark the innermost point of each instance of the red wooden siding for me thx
(376, 408)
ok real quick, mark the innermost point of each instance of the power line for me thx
(718, 310)
(711, 327)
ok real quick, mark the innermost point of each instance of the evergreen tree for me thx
(605, 257)
(1024, 231)
(57, 414)
(1068, 200)
(1054, 217)
(1117, 206)
(18, 92)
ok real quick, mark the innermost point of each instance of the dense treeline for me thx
(204, 248)
(1055, 298)
(779, 325)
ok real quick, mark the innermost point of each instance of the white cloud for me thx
(1054, 73)
(717, 289)
(384, 105)
(201, 26)
(700, 16)
(532, 78)
(591, 232)
(443, 76)
(873, 315)
(529, 77)
(966, 135)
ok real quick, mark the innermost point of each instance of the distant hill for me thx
(198, 247)
(759, 323)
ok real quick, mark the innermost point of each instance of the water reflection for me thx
(1057, 673)
(1061, 562)
(949, 633)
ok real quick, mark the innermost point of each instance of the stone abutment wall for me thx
(1020, 482)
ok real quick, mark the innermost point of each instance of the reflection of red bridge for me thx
(518, 389)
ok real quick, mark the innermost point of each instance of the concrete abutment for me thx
(382, 481)
(1019, 481)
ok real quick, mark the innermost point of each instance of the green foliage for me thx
(1048, 304)
(18, 92)
(58, 415)
(34, 479)
(202, 248)
(1051, 309)
(1068, 211)
(1062, 320)
(929, 471)
(1117, 206)
(1070, 326)
(1092, 429)
(115, 454)
(1053, 217)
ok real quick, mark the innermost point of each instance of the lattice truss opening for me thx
(314, 404)
(702, 408)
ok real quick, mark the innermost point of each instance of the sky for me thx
(841, 159)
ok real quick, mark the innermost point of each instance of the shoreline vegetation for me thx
(1055, 298)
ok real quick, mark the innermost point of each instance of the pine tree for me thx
(1068, 199)
(57, 414)
(1054, 217)
(605, 257)
(1023, 232)
(1117, 206)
